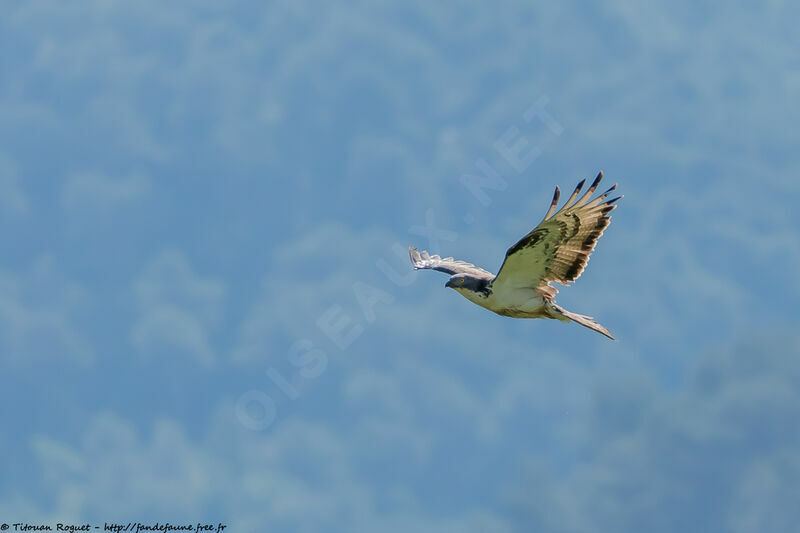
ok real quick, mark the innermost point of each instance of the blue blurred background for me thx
(207, 313)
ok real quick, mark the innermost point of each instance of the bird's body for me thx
(556, 250)
(514, 303)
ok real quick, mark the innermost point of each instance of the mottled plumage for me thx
(556, 250)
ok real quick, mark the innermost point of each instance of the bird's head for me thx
(464, 283)
(456, 281)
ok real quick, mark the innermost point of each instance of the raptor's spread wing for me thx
(447, 265)
(558, 249)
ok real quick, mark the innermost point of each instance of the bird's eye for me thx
(461, 281)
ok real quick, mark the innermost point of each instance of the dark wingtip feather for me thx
(574, 194)
(554, 203)
(588, 194)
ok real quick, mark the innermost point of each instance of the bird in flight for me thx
(556, 250)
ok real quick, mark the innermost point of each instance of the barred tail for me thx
(583, 320)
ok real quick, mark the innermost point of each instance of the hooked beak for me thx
(449, 284)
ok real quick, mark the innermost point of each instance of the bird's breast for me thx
(517, 303)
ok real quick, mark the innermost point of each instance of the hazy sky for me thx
(207, 311)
